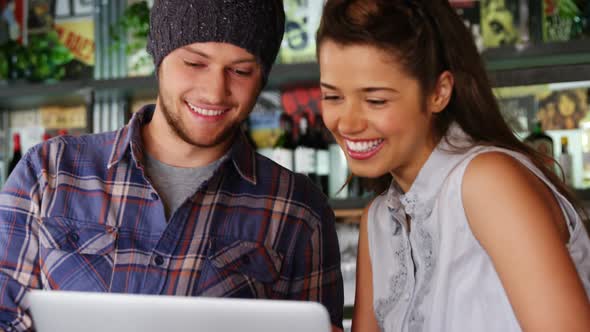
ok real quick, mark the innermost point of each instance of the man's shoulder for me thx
(298, 189)
(82, 147)
(71, 141)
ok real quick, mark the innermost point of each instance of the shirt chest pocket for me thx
(240, 268)
(76, 255)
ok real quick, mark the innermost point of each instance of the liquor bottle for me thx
(565, 161)
(322, 154)
(305, 153)
(285, 145)
(562, 20)
(585, 127)
(543, 143)
(17, 153)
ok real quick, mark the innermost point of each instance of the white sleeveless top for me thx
(438, 277)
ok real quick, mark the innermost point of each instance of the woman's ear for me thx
(442, 92)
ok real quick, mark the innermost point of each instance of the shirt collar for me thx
(129, 138)
(420, 198)
(244, 158)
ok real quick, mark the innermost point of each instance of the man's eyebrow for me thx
(207, 56)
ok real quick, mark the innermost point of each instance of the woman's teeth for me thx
(205, 112)
(364, 146)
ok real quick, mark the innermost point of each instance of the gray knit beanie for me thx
(254, 25)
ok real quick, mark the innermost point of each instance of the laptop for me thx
(92, 312)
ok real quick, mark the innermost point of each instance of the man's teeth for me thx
(364, 146)
(205, 112)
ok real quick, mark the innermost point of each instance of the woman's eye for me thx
(330, 97)
(377, 102)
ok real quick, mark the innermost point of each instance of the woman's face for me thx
(375, 110)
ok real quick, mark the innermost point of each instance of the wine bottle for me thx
(285, 145)
(543, 143)
(17, 153)
(305, 156)
(322, 154)
(565, 161)
(585, 128)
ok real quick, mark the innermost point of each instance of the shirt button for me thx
(155, 196)
(73, 237)
(159, 260)
(407, 296)
(246, 260)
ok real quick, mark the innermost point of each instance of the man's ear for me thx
(443, 91)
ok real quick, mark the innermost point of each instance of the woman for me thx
(472, 231)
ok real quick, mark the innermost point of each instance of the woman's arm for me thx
(363, 317)
(519, 223)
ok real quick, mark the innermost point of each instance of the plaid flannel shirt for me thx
(78, 213)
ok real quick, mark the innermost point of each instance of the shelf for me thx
(349, 203)
(507, 66)
(24, 95)
(136, 87)
(535, 56)
(285, 75)
(540, 64)
(349, 210)
(28, 95)
(540, 75)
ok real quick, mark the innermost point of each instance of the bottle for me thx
(322, 154)
(565, 161)
(17, 153)
(585, 126)
(46, 137)
(543, 143)
(305, 154)
(285, 145)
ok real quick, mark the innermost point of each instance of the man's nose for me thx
(215, 87)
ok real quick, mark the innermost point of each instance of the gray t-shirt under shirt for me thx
(176, 184)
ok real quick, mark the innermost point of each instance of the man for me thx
(176, 202)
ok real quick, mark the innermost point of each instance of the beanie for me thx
(254, 25)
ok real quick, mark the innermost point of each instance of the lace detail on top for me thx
(417, 209)
(426, 248)
(397, 282)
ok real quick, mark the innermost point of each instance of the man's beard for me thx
(175, 123)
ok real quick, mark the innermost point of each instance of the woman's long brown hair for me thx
(428, 37)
